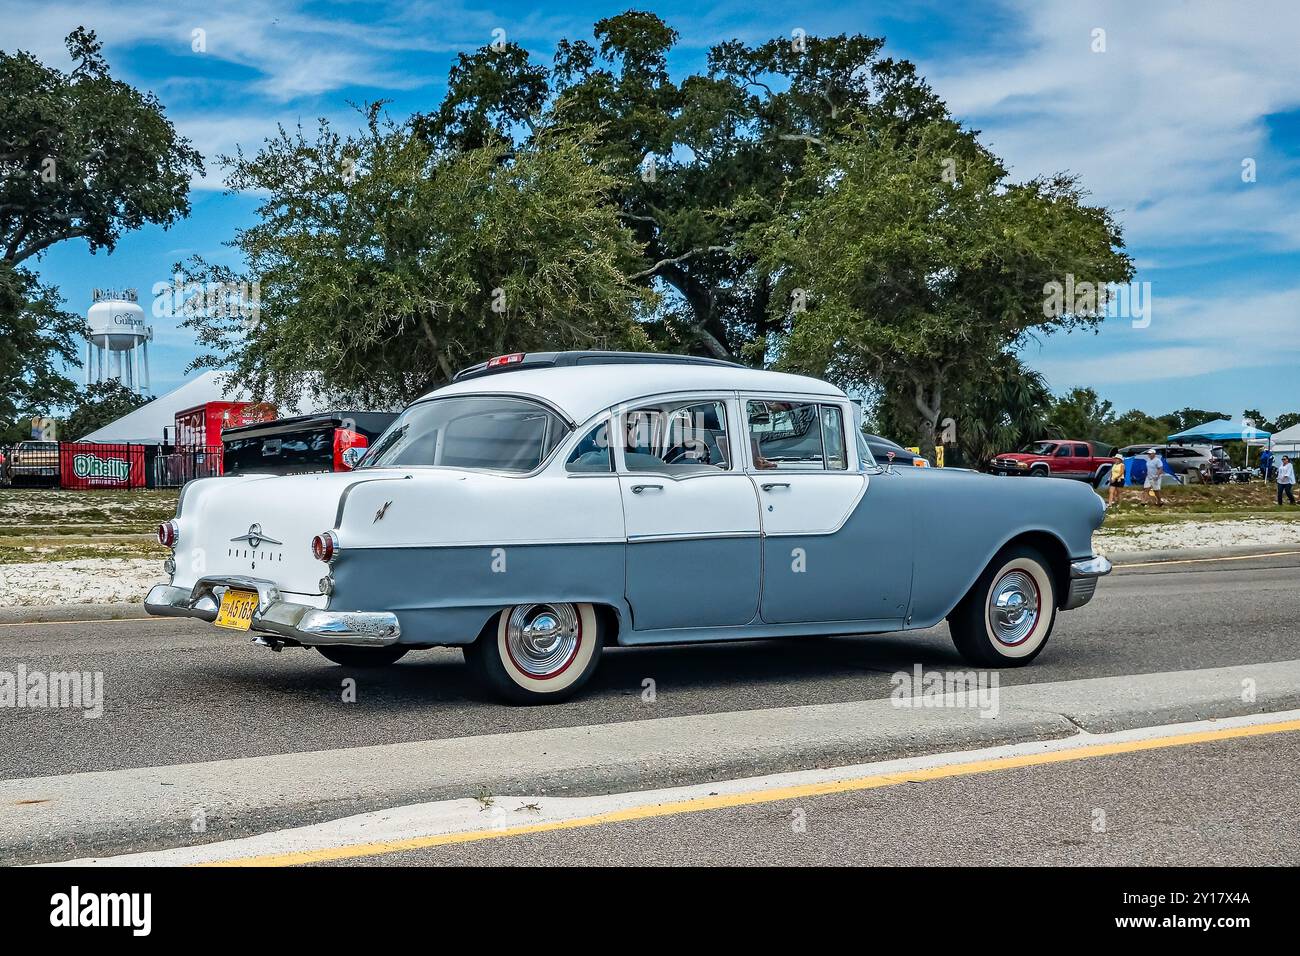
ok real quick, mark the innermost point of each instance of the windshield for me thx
(1039, 448)
(492, 433)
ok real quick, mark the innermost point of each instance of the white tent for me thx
(145, 425)
(1286, 442)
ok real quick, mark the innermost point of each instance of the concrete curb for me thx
(96, 814)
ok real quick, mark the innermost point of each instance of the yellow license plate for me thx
(236, 611)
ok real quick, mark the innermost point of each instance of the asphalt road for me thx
(180, 692)
(1230, 803)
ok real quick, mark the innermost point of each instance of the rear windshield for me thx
(486, 432)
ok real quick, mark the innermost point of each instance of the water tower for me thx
(118, 344)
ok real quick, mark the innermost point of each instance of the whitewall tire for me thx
(1008, 615)
(538, 653)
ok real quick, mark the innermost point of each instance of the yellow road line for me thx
(1235, 557)
(773, 795)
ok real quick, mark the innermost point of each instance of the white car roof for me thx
(580, 391)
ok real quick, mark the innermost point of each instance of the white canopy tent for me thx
(1286, 442)
(145, 425)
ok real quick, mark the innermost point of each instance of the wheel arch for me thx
(1053, 549)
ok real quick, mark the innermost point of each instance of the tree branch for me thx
(675, 260)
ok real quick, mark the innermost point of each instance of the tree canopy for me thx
(82, 156)
(912, 258)
(382, 265)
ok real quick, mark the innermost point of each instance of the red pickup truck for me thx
(1058, 458)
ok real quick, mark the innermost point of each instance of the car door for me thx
(691, 514)
(1063, 462)
(832, 551)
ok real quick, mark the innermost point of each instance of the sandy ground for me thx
(113, 579)
(88, 581)
(1242, 532)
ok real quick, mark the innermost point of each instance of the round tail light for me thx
(324, 546)
(167, 532)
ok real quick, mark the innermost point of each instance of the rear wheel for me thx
(1008, 615)
(538, 653)
(363, 656)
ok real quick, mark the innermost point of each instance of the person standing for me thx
(1155, 472)
(1285, 480)
(1116, 480)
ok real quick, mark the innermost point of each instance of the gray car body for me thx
(856, 579)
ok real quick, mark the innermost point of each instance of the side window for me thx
(833, 438)
(1080, 451)
(796, 435)
(594, 453)
(677, 437)
(1063, 452)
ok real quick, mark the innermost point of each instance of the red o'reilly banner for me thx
(90, 465)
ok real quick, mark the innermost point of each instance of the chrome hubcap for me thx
(1014, 607)
(542, 638)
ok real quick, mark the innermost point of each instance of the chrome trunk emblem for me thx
(255, 537)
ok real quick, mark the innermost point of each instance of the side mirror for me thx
(352, 457)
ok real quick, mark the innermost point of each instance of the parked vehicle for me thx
(1058, 458)
(880, 449)
(328, 441)
(1204, 460)
(34, 463)
(535, 511)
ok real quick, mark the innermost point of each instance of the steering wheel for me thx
(698, 454)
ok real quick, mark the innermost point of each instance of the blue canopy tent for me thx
(1221, 430)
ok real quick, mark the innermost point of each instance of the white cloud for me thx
(1158, 124)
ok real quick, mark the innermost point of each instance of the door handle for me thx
(768, 486)
(637, 489)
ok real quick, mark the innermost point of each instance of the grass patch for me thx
(112, 511)
(1229, 502)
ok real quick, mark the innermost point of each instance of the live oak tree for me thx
(82, 156)
(384, 264)
(916, 262)
(702, 156)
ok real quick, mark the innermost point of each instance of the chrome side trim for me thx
(692, 536)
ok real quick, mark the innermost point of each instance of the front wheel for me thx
(538, 653)
(1006, 618)
(363, 656)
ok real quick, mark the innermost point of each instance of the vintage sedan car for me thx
(544, 506)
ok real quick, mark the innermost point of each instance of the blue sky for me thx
(1158, 125)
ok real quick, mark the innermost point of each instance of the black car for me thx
(881, 447)
(303, 444)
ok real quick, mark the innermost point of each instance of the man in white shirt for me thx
(1155, 472)
(1285, 479)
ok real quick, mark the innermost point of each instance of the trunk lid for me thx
(261, 527)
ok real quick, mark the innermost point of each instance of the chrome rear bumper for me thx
(1083, 580)
(298, 622)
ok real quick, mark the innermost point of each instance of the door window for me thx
(677, 438)
(796, 435)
